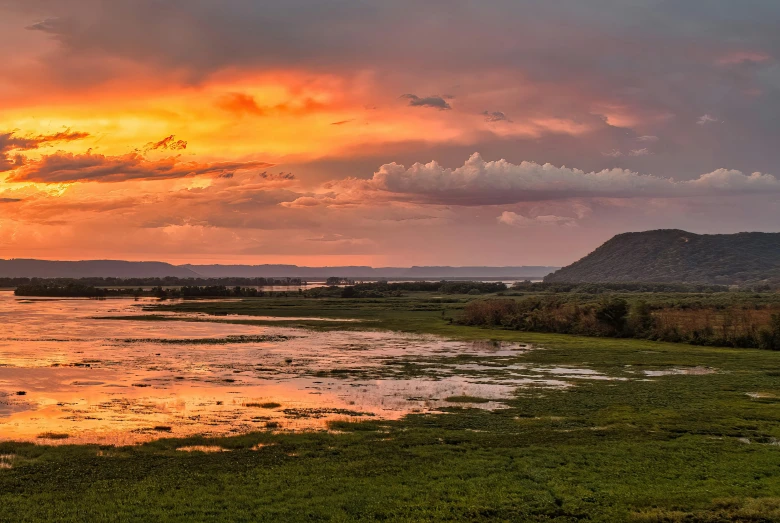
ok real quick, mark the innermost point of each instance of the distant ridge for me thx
(23, 268)
(671, 255)
(30, 268)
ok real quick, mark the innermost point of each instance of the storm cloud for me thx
(68, 167)
(428, 101)
(656, 66)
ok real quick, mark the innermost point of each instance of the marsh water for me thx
(70, 373)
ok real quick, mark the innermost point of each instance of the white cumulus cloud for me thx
(479, 182)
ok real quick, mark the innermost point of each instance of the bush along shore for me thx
(79, 290)
(725, 326)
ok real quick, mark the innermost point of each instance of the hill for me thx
(672, 255)
(23, 268)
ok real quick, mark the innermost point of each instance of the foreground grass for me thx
(670, 448)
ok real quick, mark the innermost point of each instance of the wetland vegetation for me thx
(595, 429)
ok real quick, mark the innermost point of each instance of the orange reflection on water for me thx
(67, 377)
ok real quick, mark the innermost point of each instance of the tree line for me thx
(757, 327)
(634, 287)
(385, 289)
(79, 290)
(210, 291)
(168, 281)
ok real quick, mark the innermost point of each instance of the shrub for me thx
(769, 338)
(641, 321)
(613, 314)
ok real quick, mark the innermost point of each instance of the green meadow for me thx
(679, 433)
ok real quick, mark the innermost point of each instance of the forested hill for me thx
(678, 256)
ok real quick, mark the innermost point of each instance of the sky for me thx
(367, 132)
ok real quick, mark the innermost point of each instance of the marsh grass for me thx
(732, 509)
(7, 461)
(467, 399)
(53, 435)
(667, 448)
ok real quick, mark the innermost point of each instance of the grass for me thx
(53, 435)
(693, 448)
(467, 399)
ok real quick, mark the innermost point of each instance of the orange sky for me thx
(250, 134)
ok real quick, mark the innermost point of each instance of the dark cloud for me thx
(10, 142)
(675, 61)
(169, 143)
(67, 167)
(276, 177)
(48, 25)
(206, 36)
(10, 200)
(495, 116)
(429, 101)
(10, 162)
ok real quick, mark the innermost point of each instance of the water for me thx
(66, 376)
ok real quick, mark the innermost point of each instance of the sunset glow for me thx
(397, 260)
(248, 133)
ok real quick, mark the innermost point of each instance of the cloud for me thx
(730, 181)
(277, 177)
(10, 200)
(169, 143)
(707, 119)
(639, 152)
(306, 201)
(342, 122)
(741, 57)
(495, 116)
(64, 167)
(239, 104)
(127, 68)
(48, 25)
(615, 153)
(657, 81)
(341, 239)
(518, 220)
(429, 101)
(10, 142)
(479, 182)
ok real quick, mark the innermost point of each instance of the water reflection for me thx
(68, 377)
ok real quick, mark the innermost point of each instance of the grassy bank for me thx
(642, 446)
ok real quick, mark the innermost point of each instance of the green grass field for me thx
(667, 448)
